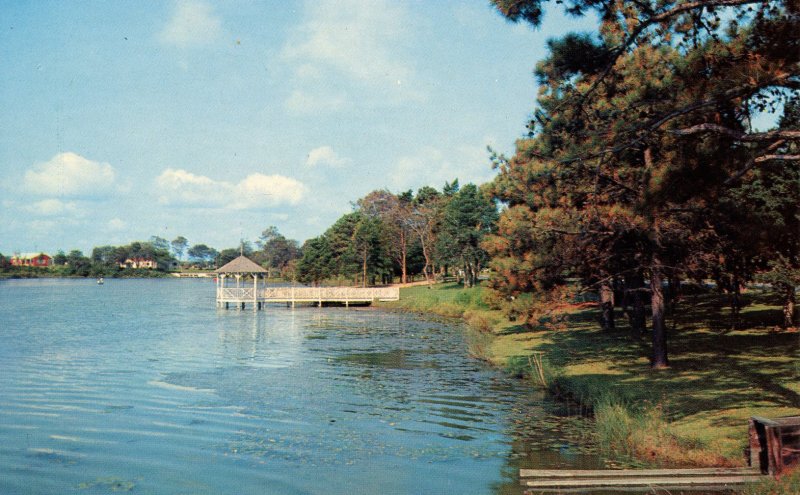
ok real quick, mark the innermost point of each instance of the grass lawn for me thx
(693, 413)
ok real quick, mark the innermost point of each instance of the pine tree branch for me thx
(783, 80)
(738, 135)
(618, 51)
(685, 7)
(752, 163)
(766, 158)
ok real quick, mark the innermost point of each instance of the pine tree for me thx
(640, 129)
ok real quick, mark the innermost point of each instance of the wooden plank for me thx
(632, 473)
(765, 421)
(631, 489)
(787, 421)
(755, 459)
(664, 481)
(774, 450)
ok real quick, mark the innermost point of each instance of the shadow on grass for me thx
(520, 329)
(751, 366)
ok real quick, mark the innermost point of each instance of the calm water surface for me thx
(143, 386)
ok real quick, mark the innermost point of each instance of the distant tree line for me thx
(107, 260)
(641, 169)
(391, 236)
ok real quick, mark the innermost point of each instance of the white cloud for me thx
(42, 227)
(70, 175)
(182, 188)
(258, 189)
(361, 41)
(116, 224)
(303, 102)
(325, 156)
(52, 207)
(193, 23)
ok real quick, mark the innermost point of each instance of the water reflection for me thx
(258, 339)
(177, 397)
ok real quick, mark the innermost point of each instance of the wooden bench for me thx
(774, 443)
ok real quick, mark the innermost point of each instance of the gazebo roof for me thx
(242, 264)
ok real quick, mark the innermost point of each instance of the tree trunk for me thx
(789, 308)
(634, 293)
(364, 270)
(606, 306)
(736, 303)
(403, 253)
(427, 256)
(659, 328)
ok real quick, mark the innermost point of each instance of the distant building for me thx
(139, 263)
(31, 259)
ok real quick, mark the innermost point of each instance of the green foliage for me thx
(78, 264)
(276, 251)
(159, 243)
(203, 255)
(641, 136)
(788, 484)
(394, 215)
(60, 258)
(104, 262)
(315, 264)
(468, 217)
(352, 247)
(575, 53)
(227, 255)
(448, 299)
(179, 245)
(403, 234)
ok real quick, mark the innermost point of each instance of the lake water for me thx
(144, 386)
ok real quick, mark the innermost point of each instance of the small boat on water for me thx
(100, 281)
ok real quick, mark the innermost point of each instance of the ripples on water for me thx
(142, 386)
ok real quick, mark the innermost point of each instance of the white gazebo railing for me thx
(236, 294)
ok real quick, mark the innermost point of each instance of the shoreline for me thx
(688, 415)
(684, 416)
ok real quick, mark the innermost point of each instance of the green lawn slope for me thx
(692, 414)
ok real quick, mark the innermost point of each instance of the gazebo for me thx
(240, 293)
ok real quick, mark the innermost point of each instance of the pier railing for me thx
(308, 294)
(329, 294)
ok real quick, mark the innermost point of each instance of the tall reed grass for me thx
(644, 433)
(787, 484)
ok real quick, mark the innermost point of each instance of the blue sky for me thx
(127, 119)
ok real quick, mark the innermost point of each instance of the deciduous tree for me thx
(179, 245)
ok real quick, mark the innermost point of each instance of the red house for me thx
(31, 259)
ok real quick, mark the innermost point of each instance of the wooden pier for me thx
(774, 443)
(621, 480)
(237, 285)
(774, 446)
(257, 297)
